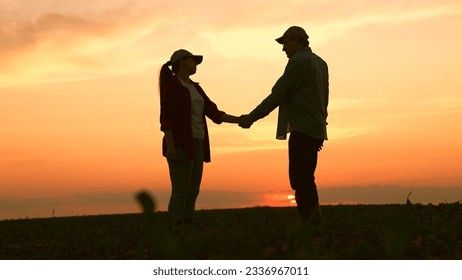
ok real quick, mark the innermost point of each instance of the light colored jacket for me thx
(302, 94)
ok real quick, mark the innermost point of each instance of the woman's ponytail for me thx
(165, 74)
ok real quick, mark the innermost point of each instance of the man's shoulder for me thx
(303, 59)
(302, 54)
(317, 57)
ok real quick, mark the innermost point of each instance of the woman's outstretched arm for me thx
(230, 118)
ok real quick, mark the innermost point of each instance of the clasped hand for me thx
(245, 122)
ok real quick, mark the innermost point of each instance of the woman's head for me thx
(180, 59)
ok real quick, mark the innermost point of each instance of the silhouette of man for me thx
(302, 95)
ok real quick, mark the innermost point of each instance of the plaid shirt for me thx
(175, 114)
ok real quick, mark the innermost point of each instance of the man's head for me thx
(293, 40)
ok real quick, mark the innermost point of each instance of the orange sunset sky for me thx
(79, 101)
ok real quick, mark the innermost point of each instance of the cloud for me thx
(121, 203)
(441, 105)
(78, 204)
(48, 41)
(59, 46)
(272, 13)
(388, 195)
(51, 28)
(116, 203)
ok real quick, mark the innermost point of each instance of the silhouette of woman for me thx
(184, 106)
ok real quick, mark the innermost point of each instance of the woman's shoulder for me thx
(171, 84)
(173, 81)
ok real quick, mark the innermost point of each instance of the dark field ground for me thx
(349, 232)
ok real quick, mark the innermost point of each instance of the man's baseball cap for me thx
(181, 53)
(293, 32)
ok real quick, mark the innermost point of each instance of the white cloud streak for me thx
(50, 41)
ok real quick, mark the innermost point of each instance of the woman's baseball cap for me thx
(181, 53)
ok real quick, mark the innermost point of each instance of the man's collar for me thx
(301, 51)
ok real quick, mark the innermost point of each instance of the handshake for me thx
(244, 121)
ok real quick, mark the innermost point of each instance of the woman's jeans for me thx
(185, 176)
(303, 158)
